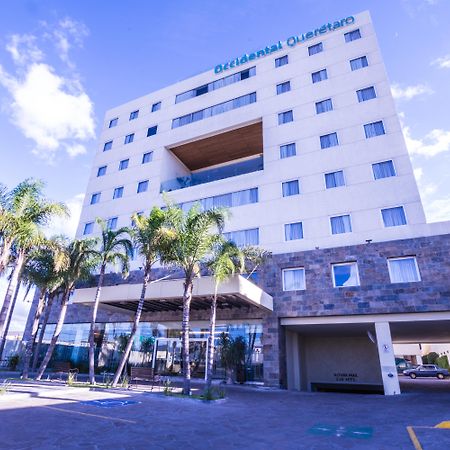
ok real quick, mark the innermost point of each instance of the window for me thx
(124, 164)
(315, 49)
(293, 231)
(95, 198)
(107, 146)
(329, 140)
(287, 150)
(352, 35)
(152, 130)
(341, 224)
(334, 179)
(359, 63)
(283, 87)
(383, 169)
(290, 188)
(113, 122)
(345, 274)
(88, 228)
(142, 186)
(403, 270)
(156, 106)
(374, 129)
(366, 94)
(393, 217)
(101, 171)
(129, 138)
(111, 224)
(118, 192)
(319, 76)
(285, 117)
(220, 108)
(294, 279)
(134, 115)
(243, 238)
(324, 106)
(217, 84)
(282, 61)
(147, 157)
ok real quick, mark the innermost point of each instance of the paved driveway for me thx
(54, 417)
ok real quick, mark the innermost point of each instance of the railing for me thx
(219, 173)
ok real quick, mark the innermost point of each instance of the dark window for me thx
(124, 164)
(101, 171)
(152, 130)
(317, 48)
(134, 115)
(107, 146)
(129, 138)
(282, 61)
(352, 35)
(156, 106)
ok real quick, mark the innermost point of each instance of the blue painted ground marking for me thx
(109, 403)
(340, 431)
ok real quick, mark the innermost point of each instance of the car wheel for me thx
(412, 375)
(440, 376)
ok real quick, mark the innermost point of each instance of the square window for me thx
(366, 94)
(341, 224)
(329, 140)
(314, 49)
(95, 198)
(345, 274)
(294, 279)
(319, 76)
(334, 179)
(383, 169)
(352, 35)
(113, 122)
(403, 270)
(134, 115)
(124, 164)
(282, 61)
(152, 131)
(88, 228)
(393, 217)
(142, 186)
(359, 63)
(118, 192)
(156, 106)
(107, 146)
(324, 106)
(129, 138)
(287, 150)
(285, 117)
(111, 224)
(101, 171)
(293, 231)
(374, 129)
(201, 90)
(290, 188)
(283, 87)
(147, 157)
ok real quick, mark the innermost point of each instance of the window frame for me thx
(293, 223)
(150, 154)
(113, 122)
(129, 139)
(396, 258)
(281, 114)
(319, 44)
(141, 183)
(372, 123)
(288, 269)
(98, 171)
(290, 181)
(94, 195)
(346, 263)
(321, 101)
(86, 225)
(107, 146)
(285, 145)
(329, 134)
(134, 115)
(340, 215)
(383, 161)
(156, 106)
(118, 190)
(393, 207)
(362, 89)
(334, 171)
(283, 83)
(281, 58)
(359, 68)
(153, 127)
(127, 161)
(319, 71)
(349, 33)
(116, 222)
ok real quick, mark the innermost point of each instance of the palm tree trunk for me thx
(137, 318)
(56, 333)
(187, 297)
(47, 311)
(92, 327)
(5, 255)
(10, 300)
(29, 336)
(211, 348)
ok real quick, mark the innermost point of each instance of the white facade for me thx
(362, 197)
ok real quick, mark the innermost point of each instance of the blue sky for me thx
(64, 63)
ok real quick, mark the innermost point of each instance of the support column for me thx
(292, 361)
(387, 359)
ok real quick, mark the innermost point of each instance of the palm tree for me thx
(115, 246)
(81, 260)
(147, 238)
(190, 238)
(227, 259)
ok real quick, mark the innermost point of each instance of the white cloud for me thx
(23, 49)
(443, 62)
(435, 142)
(418, 173)
(438, 210)
(409, 92)
(67, 226)
(75, 150)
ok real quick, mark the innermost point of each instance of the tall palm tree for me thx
(147, 238)
(115, 247)
(190, 238)
(226, 260)
(81, 260)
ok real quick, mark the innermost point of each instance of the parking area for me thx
(53, 416)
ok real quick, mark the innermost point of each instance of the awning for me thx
(167, 295)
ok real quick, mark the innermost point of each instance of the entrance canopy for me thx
(167, 295)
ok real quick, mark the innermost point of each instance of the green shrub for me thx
(442, 361)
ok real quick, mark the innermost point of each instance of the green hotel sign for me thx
(291, 41)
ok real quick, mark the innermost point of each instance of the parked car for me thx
(427, 370)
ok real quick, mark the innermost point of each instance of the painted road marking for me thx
(341, 431)
(414, 439)
(109, 403)
(445, 424)
(114, 419)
